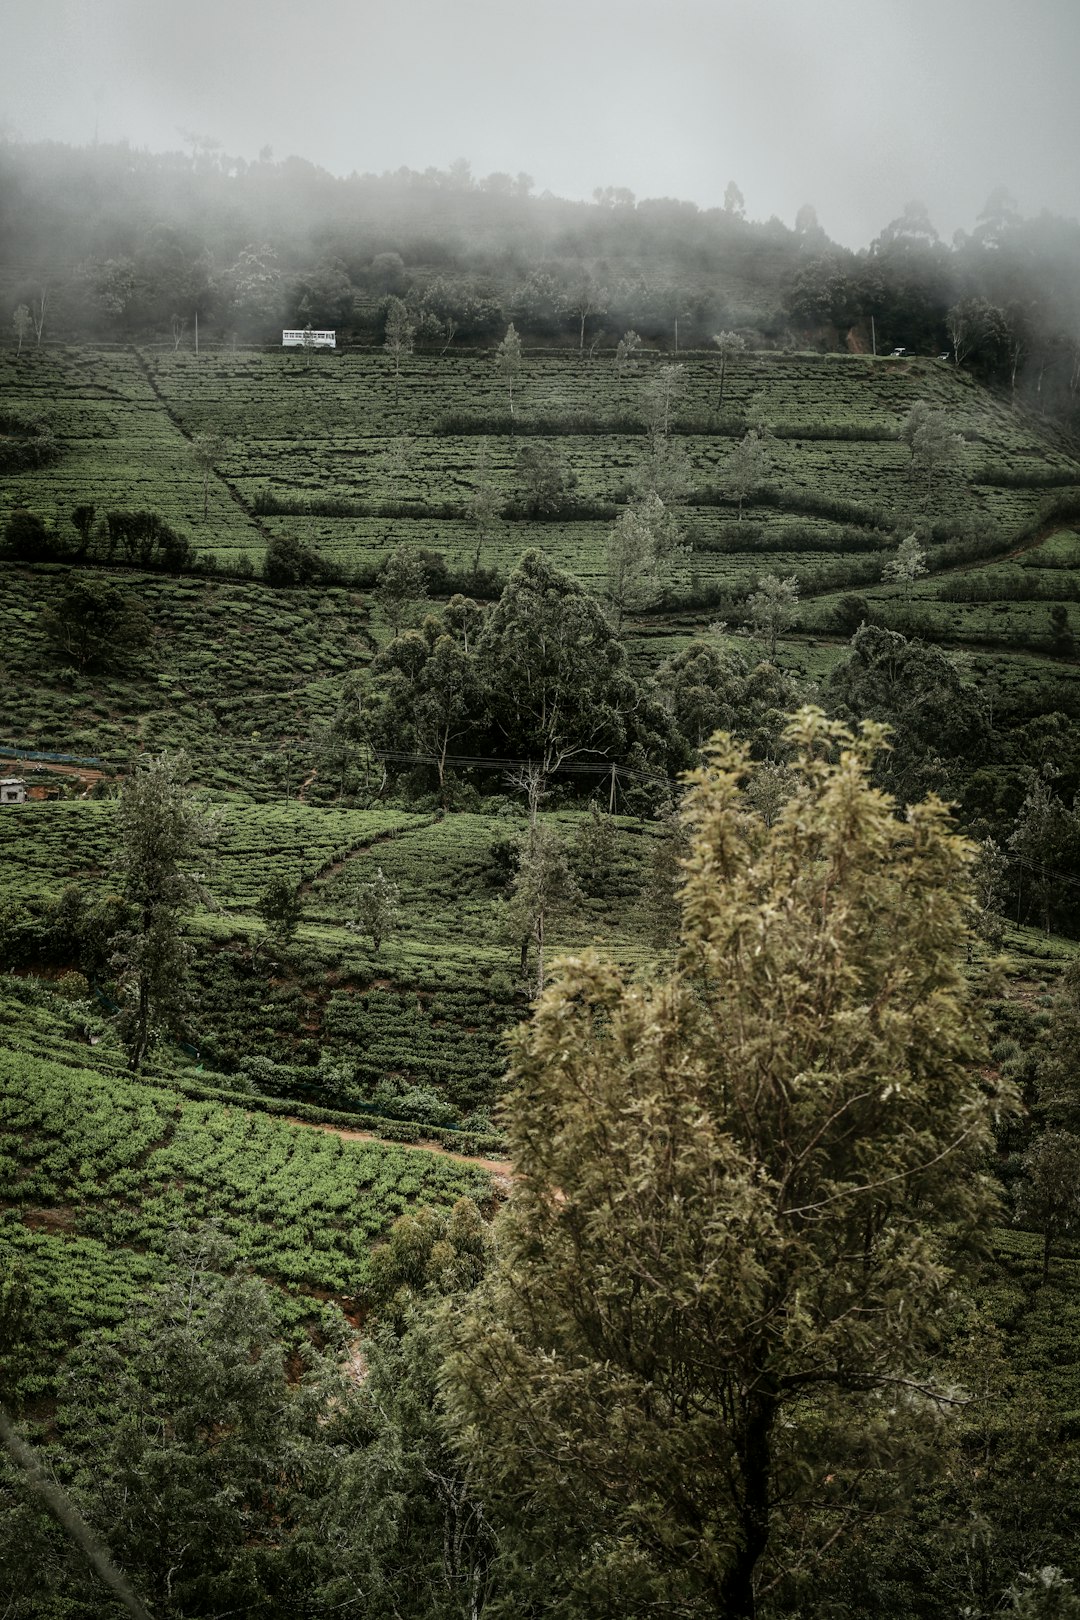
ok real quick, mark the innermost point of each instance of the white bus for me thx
(300, 339)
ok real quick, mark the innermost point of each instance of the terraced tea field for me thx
(44, 846)
(120, 448)
(430, 1008)
(97, 1171)
(234, 674)
(336, 443)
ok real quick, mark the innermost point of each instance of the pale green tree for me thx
(661, 391)
(374, 905)
(626, 352)
(907, 566)
(163, 836)
(484, 502)
(718, 1281)
(542, 886)
(508, 360)
(642, 542)
(934, 446)
(773, 609)
(746, 468)
(22, 324)
(399, 333)
(989, 876)
(207, 450)
(664, 470)
(730, 344)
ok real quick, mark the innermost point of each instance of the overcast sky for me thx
(856, 106)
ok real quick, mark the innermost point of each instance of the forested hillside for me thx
(358, 708)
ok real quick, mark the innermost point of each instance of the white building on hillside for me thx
(12, 790)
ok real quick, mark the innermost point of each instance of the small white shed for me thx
(12, 790)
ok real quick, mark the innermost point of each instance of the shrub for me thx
(28, 539)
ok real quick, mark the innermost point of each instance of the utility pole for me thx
(873, 335)
(196, 331)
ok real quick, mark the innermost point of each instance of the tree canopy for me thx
(717, 1258)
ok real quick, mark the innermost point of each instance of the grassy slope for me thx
(429, 1008)
(97, 1170)
(343, 430)
(238, 668)
(234, 670)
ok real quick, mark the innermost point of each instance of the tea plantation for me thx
(402, 1035)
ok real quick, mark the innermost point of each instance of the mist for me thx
(853, 107)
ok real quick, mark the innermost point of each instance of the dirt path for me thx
(496, 1167)
(332, 868)
(1047, 532)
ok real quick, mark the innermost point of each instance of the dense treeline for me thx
(110, 242)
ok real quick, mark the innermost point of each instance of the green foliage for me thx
(123, 1163)
(1048, 1197)
(26, 441)
(147, 541)
(508, 361)
(375, 907)
(773, 609)
(97, 626)
(553, 667)
(402, 589)
(1058, 1056)
(162, 833)
(593, 853)
(28, 539)
(908, 564)
(207, 449)
(289, 563)
(280, 906)
(712, 688)
(934, 445)
(661, 392)
(542, 884)
(413, 1529)
(399, 332)
(544, 479)
(937, 718)
(746, 468)
(715, 1257)
(641, 546)
(429, 689)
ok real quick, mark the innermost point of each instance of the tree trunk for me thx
(737, 1587)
